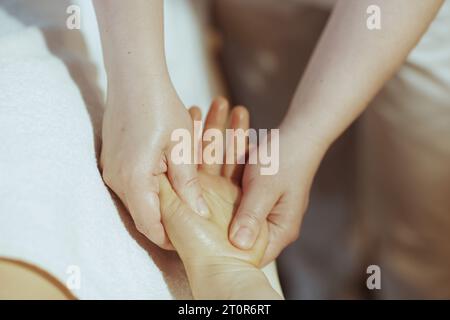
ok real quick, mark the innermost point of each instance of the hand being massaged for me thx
(216, 269)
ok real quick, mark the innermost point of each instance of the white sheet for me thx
(55, 211)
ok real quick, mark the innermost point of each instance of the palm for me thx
(192, 234)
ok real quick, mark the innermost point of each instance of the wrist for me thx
(310, 146)
(134, 69)
(306, 134)
(143, 92)
(217, 277)
(138, 79)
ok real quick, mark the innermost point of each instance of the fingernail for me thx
(202, 207)
(221, 103)
(244, 238)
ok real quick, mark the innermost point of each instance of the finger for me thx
(215, 120)
(240, 119)
(257, 201)
(274, 247)
(284, 223)
(184, 180)
(196, 113)
(143, 203)
(282, 232)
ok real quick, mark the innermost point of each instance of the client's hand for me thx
(215, 268)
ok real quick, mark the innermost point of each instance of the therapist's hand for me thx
(281, 199)
(137, 127)
(142, 110)
(333, 91)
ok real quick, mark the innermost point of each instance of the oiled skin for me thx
(216, 269)
(198, 238)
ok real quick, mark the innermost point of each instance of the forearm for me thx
(229, 280)
(351, 64)
(132, 34)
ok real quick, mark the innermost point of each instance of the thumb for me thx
(184, 180)
(256, 203)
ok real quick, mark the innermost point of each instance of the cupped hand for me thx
(280, 199)
(136, 144)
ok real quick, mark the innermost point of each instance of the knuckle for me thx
(102, 160)
(250, 217)
(141, 228)
(253, 181)
(108, 177)
(292, 235)
(112, 173)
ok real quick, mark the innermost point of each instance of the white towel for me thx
(55, 211)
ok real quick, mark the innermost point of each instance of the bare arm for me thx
(351, 63)
(349, 66)
(142, 110)
(133, 39)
